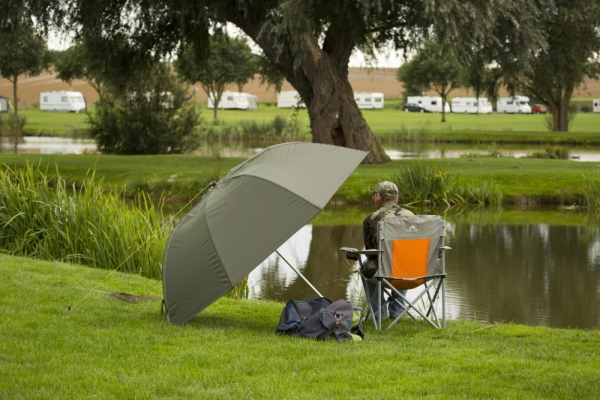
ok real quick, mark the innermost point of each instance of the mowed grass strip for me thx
(533, 181)
(389, 124)
(111, 349)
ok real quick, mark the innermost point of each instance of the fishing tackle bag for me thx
(322, 319)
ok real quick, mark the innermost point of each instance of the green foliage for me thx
(553, 152)
(22, 52)
(43, 218)
(591, 192)
(426, 185)
(76, 63)
(153, 117)
(229, 61)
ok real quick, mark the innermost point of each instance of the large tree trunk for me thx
(334, 115)
(15, 81)
(322, 82)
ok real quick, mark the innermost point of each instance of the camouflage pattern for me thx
(387, 190)
(388, 210)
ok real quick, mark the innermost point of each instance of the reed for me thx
(591, 192)
(42, 217)
(425, 185)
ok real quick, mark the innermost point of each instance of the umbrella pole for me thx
(298, 272)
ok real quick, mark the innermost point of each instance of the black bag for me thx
(321, 319)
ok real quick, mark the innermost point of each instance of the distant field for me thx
(389, 122)
(381, 80)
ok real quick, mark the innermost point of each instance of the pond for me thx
(61, 145)
(527, 273)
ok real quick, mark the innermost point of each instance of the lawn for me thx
(389, 123)
(520, 180)
(110, 349)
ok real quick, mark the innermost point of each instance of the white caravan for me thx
(366, 100)
(62, 101)
(235, 100)
(431, 103)
(289, 99)
(378, 100)
(512, 105)
(471, 105)
(596, 105)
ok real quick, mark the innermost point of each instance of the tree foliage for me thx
(230, 61)
(572, 30)
(309, 41)
(153, 115)
(75, 63)
(22, 52)
(432, 68)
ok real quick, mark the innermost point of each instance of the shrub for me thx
(154, 117)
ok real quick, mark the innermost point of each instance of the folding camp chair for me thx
(410, 255)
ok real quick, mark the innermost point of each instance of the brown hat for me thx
(386, 189)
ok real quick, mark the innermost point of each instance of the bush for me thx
(551, 152)
(154, 117)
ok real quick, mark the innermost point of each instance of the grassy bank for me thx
(108, 348)
(389, 124)
(521, 181)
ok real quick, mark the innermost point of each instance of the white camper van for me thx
(471, 105)
(289, 99)
(431, 103)
(596, 105)
(512, 105)
(235, 100)
(62, 101)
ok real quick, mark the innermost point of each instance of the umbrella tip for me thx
(214, 183)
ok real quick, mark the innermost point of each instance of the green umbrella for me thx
(245, 217)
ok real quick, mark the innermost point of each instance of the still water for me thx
(537, 274)
(61, 145)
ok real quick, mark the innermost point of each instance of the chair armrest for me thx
(354, 254)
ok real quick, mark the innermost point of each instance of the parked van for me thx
(62, 101)
(430, 103)
(596, 105)
(235, 100)
(513, 105)
(471, 105)
(289, 99)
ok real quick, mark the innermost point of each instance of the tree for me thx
(572, 31)
(22, 52)
(74, 63)
(432, 68)
(153, 115)
(230, 61)
(309, 41)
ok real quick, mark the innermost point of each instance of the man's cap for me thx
(386, 189)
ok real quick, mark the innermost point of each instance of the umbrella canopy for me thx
(245, 217)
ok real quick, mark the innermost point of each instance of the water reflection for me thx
(530, 274)
(241, 149)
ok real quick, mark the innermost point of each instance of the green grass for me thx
(110, 349)
(521, 181)
(389, 124)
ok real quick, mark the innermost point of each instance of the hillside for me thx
(381, 80)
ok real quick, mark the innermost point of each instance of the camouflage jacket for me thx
(388, 210)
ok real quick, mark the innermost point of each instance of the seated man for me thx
(386, 201)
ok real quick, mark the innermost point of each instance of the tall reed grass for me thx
(425, 185)
(43, 218)
(276, 130)
(591, 192)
